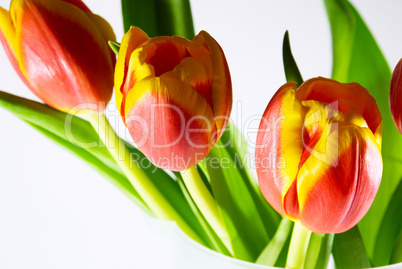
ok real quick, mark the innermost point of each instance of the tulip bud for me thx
(395, 96)
(59, 49)
(318, 153)
(174, 95)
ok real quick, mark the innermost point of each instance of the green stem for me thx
(298, 246)
(156, 202)
(206, 204)
(271, 252)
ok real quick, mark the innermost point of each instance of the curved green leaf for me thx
(115, 46)
(390, 228)
(271, 252)
(396, 255)
(319, 250)
(159, 17)
(357, 58)
(313, 251)
(244, 210)
(210, 236)
(292, 72)
(325, 251)
(139, 13)
(349, 251)
(237, 149)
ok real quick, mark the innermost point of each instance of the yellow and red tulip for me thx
(395, 96)
(60, 50)
(174, 95)
(318, 153)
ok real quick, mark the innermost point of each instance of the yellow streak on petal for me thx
(7, 28)
(131, 40)
(138, 65)
(338, 131)
(290, 138)
(325, 152)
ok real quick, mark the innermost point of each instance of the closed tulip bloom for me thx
(60, 50)
(174, 95)
(318, 153)
(395, 96)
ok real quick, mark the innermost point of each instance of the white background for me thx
(56, 212)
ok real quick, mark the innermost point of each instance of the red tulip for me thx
(318, 154)
(174, 95)
(395, 96)
(59, 49)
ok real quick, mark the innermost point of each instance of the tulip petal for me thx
(280, 146)
(158, 56)
(79, 4)
(342, 185)
(7, 29)
(57, 62)
(163, 54)
(164, 110)
(346, 95)
(198, 74)
(7, 37)
(131, 40)
(103, 26)
(194, 49)
(106, 30)
(221, 81)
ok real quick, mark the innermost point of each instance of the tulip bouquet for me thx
(326, 157)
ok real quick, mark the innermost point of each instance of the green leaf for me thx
(115, 46)
(325, 252)
(349, 251)
(281, 262)
(313, 251)
(237, 149)
(210, 236)
(357, 58)
(237, 200)
(79, 137)
(319, 250)
(231, 214)
(270, 254)
(292, 72)
(396, 255)
(390, 229)
(159, 17)
(140, 13)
